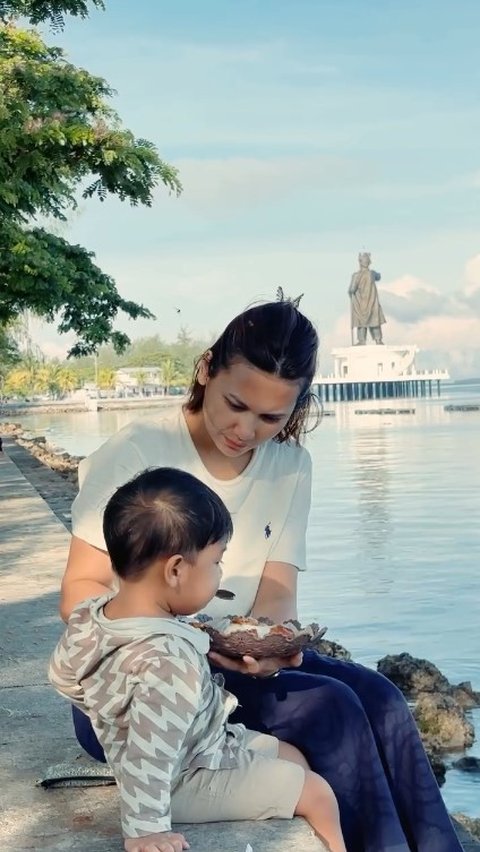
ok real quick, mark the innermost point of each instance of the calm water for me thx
(394, 537)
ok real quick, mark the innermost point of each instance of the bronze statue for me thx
(366, 310)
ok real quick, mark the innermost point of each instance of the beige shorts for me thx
(260, 787)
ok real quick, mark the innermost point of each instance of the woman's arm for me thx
(276, 599)
(277, 593)
(88, 574)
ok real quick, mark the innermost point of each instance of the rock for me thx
(10, 429)
(57, 460)
(413, 675)
(470, 823)
(465, 695)
(469, 763)
(438, 765)
(332, 649)
(442, 723)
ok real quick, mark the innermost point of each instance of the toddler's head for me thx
(168, 522)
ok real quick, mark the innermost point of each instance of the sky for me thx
(304, 131)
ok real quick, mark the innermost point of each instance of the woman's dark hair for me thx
(160, 512)
(277, 338)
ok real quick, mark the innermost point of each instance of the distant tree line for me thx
(32, 374)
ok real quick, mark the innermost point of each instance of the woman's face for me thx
(243, 407)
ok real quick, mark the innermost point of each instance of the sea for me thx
(394, 533)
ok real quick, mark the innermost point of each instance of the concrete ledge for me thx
(38, 733)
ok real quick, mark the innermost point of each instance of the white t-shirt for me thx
(269, 501)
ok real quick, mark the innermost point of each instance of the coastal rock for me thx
(59, 461)
(442, 723)
(472, 824)
(469, 763)
(465, 695)
(332, 649)
(415, 676)
(438, 765)
(10, 429)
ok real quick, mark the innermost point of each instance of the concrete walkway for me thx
(35, 726)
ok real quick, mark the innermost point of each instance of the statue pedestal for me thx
(374, 363)
(376, 371)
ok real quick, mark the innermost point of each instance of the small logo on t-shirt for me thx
(268, 530)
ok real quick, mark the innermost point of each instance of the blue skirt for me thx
(356, 730)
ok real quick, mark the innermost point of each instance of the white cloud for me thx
(472, 273)
(409, 299)
(233, 183)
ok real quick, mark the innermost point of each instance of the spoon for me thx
(225, 595)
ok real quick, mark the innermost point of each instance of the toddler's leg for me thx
(317, 802)
(318, 805)
(292, 753)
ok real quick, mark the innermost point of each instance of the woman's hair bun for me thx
(281, 297)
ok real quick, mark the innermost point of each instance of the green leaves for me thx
(38, 11)
(60, 137)
(44, 273)
(57, 129)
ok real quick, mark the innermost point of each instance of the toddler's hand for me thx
(164, 841)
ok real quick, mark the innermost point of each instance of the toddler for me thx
(141, 673)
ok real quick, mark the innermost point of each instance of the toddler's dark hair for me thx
(158, 513)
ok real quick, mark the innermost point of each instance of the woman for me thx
(239, 432)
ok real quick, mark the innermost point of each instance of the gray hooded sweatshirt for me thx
(146, 685)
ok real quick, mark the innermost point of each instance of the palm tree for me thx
(142, 379)
(169, 374)
(17, 383)
(107, 379)
(67, 380)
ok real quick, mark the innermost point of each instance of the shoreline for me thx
(81, 407)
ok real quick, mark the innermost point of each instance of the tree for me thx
(9, 354)
(186, 352)
(142, 378)
(38, 11)
(55, 380)
(107, 379)
(58, 134)
(66, 381)
(17, 383)
(169, 374)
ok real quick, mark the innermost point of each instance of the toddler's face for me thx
(201, 579)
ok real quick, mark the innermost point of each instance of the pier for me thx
(374, 372)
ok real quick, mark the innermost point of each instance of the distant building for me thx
(377, 372)
(127, 378)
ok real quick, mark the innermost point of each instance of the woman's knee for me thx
(86, 735)
(372, 689)
(380, 693)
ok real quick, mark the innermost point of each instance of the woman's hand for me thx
(265, 667)
(164, 841)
